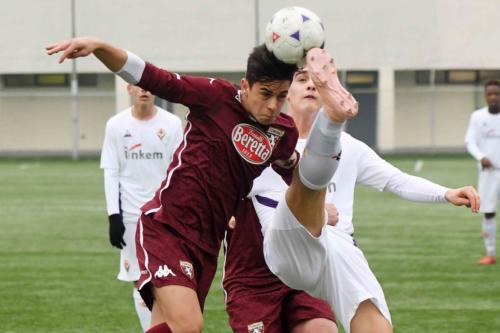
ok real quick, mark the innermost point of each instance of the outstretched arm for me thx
(112, 57)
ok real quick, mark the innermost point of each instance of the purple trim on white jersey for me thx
(266, 201)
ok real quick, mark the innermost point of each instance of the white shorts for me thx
(129, 266)
(489, 188)
(330, 267)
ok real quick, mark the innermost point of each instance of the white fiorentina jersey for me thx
(139, 152)
(483, 136)
(358, 164)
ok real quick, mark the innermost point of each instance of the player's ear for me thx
(245, 87)
(129, 88)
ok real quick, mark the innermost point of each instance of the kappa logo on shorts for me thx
(256, 327)
(187, 269)
(163, 272)
(251, 143)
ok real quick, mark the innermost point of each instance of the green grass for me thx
(57, 269)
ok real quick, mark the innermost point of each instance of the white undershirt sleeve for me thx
(415, 188)
(133, 69)
(110, 163)
(112, 191)
(374, 171)
(471, 140)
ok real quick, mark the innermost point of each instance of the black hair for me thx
(263, 66)
(491, 83)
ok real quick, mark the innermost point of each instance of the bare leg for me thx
(316, 325)
(178, 306)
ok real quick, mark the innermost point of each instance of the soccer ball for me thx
(291, 32)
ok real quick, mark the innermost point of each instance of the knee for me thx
(186, 325)
(368, 318)
(316, 325)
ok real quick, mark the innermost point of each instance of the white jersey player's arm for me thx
(110, 163)
(416, 189)
(378, 173)
(471, 139)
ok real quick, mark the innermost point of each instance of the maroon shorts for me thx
(276, 311)
(167, 259)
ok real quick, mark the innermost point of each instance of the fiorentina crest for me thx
(187, 269)
(256, 327)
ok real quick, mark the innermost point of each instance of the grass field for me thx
(57, 269)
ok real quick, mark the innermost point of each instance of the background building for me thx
(417, 67)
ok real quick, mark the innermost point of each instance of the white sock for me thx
(490, 235)
(322, 153)
(142, 311)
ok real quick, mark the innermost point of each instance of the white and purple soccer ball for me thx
(293, 31)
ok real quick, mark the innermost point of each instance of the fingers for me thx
(69, 52)
(473, 197)
(56, 47)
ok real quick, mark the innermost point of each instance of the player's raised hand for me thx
(464, 196)
(333, 214)
(339, 104)
(73, 48)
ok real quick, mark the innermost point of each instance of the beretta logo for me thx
(252, 144)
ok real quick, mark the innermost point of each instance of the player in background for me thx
(320, 259)
(231, 136)
(483, 143)
(139, 143)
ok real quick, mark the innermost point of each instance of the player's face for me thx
(140, 97)
(302, 95)
(264, 100)
(492, 94)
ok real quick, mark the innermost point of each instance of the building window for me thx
(51, 80)
(456, 76)
(47, 80)
(361, 79)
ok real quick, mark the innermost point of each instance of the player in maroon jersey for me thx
(255, 297)
(230, 137)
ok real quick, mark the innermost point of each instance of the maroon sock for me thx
(161, 328)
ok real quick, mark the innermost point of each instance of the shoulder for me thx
(120, 118)
(479, 113)
(347, 140)
(168, 117)
(285, 121)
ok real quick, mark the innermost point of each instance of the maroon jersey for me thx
(254, 295)
(223, 151)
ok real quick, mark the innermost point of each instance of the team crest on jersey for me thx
(161, 133)
(256, 327)
(187, 269)
(251, 143)
(274, 134)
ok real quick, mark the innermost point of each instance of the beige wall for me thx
(216, 36)
(433, 119)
